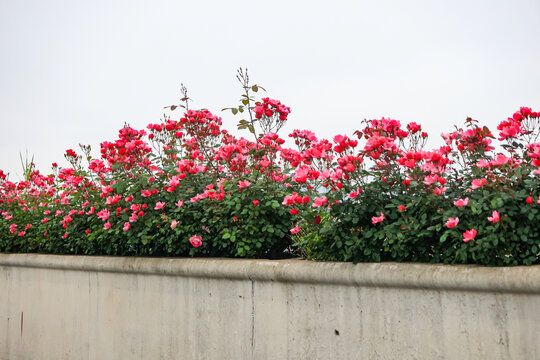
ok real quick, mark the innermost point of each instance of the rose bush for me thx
(186, 186)
(464, 202)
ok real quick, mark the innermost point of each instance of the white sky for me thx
(74, 71)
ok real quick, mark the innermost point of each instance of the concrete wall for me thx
(66, 307)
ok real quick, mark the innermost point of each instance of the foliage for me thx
(461, 203)
(187, 187)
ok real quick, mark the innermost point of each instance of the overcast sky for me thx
(74, 71)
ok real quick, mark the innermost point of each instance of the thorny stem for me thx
(185, 97)
(243, 77)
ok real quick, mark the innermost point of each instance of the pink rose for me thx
(469, 235)
(494, 217)
(478, 183)
(159, 205)
(295, 230)
(320, 201)
(196, 240)
(461, 202)
(452, 222)
(377, 219)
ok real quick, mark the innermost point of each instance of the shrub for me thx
(461, 203)
(188, 187)
(151, 192)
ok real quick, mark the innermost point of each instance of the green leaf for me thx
(255, 88)
(234, 111)
(443, 237)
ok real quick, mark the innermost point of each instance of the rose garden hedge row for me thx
(187, 187)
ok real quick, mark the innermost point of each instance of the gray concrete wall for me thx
(66, 307)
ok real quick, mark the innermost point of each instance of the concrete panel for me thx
(71, 307)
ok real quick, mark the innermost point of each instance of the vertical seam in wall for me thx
(88, 335)
(252, 318)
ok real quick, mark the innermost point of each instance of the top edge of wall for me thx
(519, 279)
